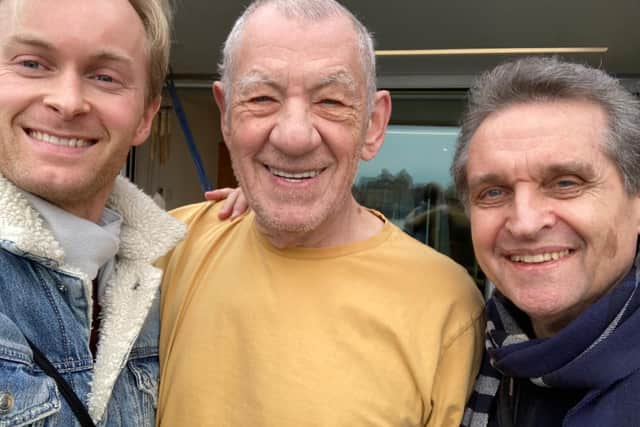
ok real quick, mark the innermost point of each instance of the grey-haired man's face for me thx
(552, 225)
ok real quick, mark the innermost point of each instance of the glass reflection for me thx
(409, 182)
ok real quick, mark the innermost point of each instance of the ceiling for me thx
(201, 27)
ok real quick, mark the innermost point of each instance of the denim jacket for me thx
(38, 301)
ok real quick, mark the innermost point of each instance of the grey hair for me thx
(300, 9)
(546, 79)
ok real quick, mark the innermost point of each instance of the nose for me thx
(66, 96)
(294, 133)
(530, 213)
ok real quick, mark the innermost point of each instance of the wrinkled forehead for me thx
(532, 135)
(294, 43)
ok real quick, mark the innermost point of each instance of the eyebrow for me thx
(573, 167)
(484, 179)
(341, 78)
(570, 168)
(29, 40)
(256, 78)
(253, 79)
(37, 42)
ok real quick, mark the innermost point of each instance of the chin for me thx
(288, 223)
(291, 219)
(288, 226)
(542, 307)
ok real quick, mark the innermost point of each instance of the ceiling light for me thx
(493, 51)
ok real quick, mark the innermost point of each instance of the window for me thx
(409, 182)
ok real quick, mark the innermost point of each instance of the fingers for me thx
(228, 206)
(235, 204)
(218, 194)
(240, 205)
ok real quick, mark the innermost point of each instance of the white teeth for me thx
(56, 140)
(538, 258)
(294, 176)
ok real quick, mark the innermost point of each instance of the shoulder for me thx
(438, 282)
(204, 228)
(198, 213)
(425, 260)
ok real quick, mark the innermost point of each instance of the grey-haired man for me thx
(548, 164)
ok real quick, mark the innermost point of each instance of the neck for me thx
(352, 224)
(547, 326)
(89, 209)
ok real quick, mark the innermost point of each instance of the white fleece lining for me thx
(22, 224)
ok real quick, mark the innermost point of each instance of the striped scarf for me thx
(608, 331)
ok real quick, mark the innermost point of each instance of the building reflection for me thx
(431, 214)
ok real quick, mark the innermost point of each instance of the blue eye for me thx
(565, 183)
(492, 193)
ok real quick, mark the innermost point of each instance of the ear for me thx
(144, 127)
(636, 210)
(377, 128)
(218, 94)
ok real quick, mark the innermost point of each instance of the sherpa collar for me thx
(147, 231)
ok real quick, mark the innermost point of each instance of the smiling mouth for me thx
(59, 140)
(540, 258)
(295, 177)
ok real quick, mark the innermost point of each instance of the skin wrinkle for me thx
(301, 106)
(340, 86)
(248, 81)
(343, 79)
(552, 188)
(302, 19)
(255, 78)
(546, 176)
